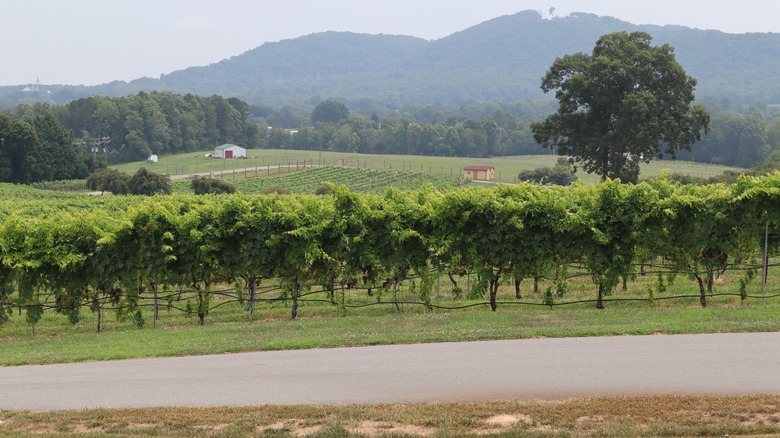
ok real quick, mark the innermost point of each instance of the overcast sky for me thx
(97, 41)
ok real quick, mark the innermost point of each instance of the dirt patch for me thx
(374, 428)
(82, 428)
(759, 419)
(296, 427)
(212, 427)
(508, 420)
(39, 429)
(546, 428)
(141, 426)
(306, 431)
(597, 419)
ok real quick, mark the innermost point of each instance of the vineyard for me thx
(428, 249)
(506, 168)
(356, 179)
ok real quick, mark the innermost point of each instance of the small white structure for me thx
(153, 158)
(229, 151)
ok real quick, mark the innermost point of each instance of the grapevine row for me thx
(115, 250)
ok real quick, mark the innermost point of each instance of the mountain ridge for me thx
(502, 59)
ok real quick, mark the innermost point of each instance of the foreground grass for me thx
(320, 327)
(604, 417)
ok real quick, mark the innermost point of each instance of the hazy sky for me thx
(96, 41)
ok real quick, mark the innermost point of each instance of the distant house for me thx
(484, 173)
(153, 158)
(229, 151)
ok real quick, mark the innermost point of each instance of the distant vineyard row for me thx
(357, 179)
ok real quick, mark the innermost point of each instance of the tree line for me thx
(131, 128)
(116, 249)
(34, 146)
(99, 130)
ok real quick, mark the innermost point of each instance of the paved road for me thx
(714, 364)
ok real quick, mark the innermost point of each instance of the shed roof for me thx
(226, 146)
(478, 168)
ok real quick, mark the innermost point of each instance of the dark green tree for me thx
(18, 140)
(624, 104)
(203, 186)
(109, 180)
(144, 182)
(329, 111)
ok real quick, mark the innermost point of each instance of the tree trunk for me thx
(536, 284)
(493, 292)
(518, 295)
(332, 289)
(702, 291)
(156, 308)
(395, 296)
(295, 293)
(600, 299)
(99, 313)
(454, 283)
(625, 283)
(252, 283)
(710, 280)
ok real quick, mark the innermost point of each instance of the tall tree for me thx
(624, 104)
(18, 140)
(329, 111)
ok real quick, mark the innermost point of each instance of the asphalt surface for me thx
(710, 364)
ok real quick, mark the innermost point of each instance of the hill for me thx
(501, 59)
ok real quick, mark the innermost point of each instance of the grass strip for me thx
(57, 341)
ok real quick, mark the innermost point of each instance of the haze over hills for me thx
(499, 60)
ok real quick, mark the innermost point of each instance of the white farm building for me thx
(229, 151)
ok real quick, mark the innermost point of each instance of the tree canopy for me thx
(624, 104)
(329, 111)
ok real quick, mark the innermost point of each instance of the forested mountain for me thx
(499, 60)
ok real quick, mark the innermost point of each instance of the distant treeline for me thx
(34, 146)
(89, 132)
(133, 127)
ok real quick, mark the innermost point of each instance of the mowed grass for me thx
(229, 328)
(602, 417)
(506, 168)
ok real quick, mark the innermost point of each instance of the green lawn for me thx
(506, 168)
(229, 328)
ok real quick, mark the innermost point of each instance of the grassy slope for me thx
(506, 168)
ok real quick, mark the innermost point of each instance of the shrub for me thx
(202, 186)
(562, 174)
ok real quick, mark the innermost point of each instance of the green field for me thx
(308, 180)
(506, 168)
